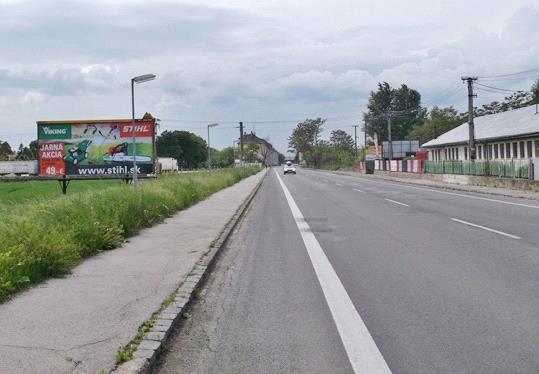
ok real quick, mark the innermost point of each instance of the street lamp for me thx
(137, 79)
(209, 149)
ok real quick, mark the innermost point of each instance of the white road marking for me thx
(338, 184)
(486, 228)
(396, 202)
(360, 347)
(452, 193)
(358, 190)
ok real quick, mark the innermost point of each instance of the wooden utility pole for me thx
(471, 129)
(389, 142)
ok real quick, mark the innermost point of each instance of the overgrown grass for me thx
(17, 192)
(46, 238)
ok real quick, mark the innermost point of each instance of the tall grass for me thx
(41, 239)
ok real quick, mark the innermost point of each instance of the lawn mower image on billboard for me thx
(119, 153)
(78, 153)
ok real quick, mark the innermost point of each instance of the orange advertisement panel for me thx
(51, 155)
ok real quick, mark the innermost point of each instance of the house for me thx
(507, 135)
(266, 154)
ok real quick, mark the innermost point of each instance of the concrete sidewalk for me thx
(458, 187)
(76, 324)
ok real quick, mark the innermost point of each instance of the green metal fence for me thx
(493, 168)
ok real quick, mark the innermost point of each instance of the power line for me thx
(499, 89)
(510, 74)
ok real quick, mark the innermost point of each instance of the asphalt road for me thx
(444, 282)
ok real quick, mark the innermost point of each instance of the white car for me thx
(289, 168)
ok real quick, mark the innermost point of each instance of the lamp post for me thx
(209, 149)
(137, 79)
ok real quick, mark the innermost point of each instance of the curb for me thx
(149, 349)
(445, 187)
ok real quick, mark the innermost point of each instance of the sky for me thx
(268, 63)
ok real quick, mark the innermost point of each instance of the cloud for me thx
(239, 60)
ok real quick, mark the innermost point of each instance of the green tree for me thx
(223, 158)
(404, 106)
(535, 92)
(5, 150)
(26, 153)
(438, 121)
(341, 140)
(251, 152)
(306, 134)
(189, 149)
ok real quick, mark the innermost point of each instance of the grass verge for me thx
(41, 239)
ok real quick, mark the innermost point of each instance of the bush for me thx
(44, 238)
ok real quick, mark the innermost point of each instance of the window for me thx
(529, 148)
(485, 152)
(508, 150)
(502, 151)
(490, 151)
(465, 153)
(456, 153)
(537, 149)
(445, 153)
(496, 151)
(521, 144)
(515, 150)
(479, 152)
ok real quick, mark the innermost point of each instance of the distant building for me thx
(266, 154)
(507, 135)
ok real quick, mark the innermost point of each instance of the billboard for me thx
(401, 148)
(95, 148)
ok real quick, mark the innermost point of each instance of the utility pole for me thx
(241, 143)
(471, 129)
(365, 140)
(390, 143)
(355, 137)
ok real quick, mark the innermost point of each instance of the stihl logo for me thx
(140, 130)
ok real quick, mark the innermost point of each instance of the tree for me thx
(5, 151)
(306, 134)
(189, 149)
(341, 140)
(251, 152)
(402, 104)
(223, 158)
(27, 153)
(535, 92)
(438, 121)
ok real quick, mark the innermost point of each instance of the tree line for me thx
(409, 121)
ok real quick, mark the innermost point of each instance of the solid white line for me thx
(338, 184)
(451, 193)
(358, 190)
(360, 347)
(396, 202)
(486, 228)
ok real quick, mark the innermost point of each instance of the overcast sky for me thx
(239, 60)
